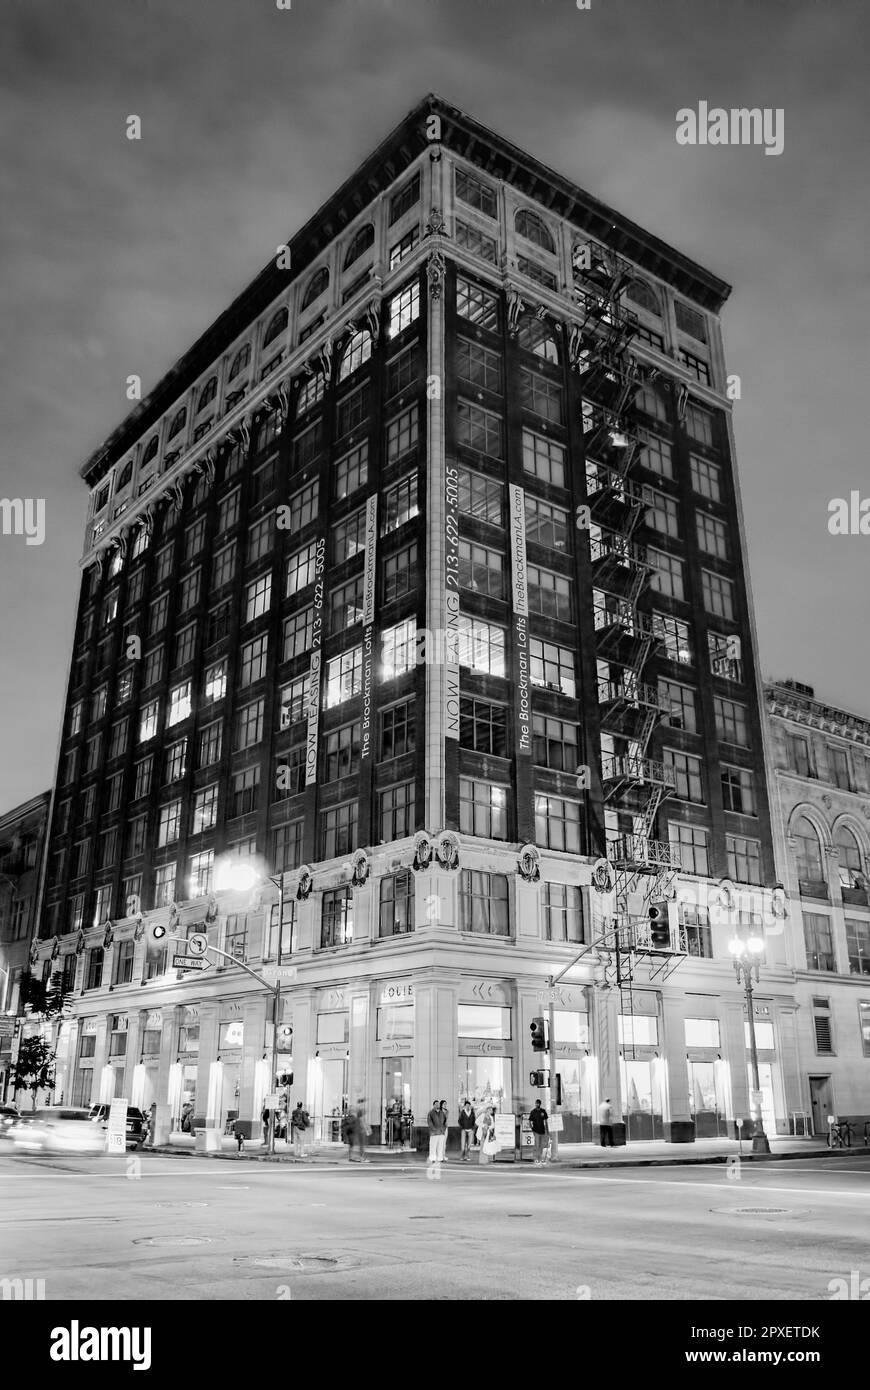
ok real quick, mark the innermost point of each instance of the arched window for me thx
(535, 335)
(358, 350)
(207, 394)
(642, 294)
(851, 861)
(310, 393)
(240, 361)
(178, 423)
(150, 451)
(360, 242)
(534, 228)
(277, 324)
(316, 286)
(125, 475)
(808, 853)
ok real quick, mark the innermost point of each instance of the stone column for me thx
(168, 1052)
(734, 1048)
(680, 1127)
(209, 1033)
(435, 1044)
(605, 1025)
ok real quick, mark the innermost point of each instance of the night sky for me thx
(115, 255)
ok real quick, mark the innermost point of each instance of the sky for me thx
(115, 255)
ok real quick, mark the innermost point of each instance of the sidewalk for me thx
(570, 1155)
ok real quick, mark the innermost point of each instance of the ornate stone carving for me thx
(55, 948)
(423, 851)
(529, 864)
(360, 864)
(139, 929)
(306, 883)
(603, 876)
(447, 850)
(324, 359)
(827, 802)
(436, 269)
(211, 910)
(373, 317)
(435, 224)
(682, 402)
(80, 942)
(34, 953)
(516, 305)
(108, 936)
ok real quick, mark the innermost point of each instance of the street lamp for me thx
(747, 949)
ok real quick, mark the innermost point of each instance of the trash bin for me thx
(208, 1141)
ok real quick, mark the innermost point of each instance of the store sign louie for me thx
(397, 994)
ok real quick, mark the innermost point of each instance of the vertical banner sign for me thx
(451, 603)
(369, 572)
(314, 669)
(520, 580)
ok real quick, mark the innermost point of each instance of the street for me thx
(198, 1229)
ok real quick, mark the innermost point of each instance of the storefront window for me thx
(702, 1032)
(483, 1021)
(571, 1028)
(188, 1038)
(332, 1028)
(485, 1081)
(638, 1031)
(395, 1021)
(764, 1039)
(232, 1034)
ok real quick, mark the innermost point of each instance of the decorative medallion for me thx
(211, 910)
(306, 883)
(529, 864)
(139, 929)
(435, 225)
(827, 802)
(603, 876)
(360, 862)
(80, 942)
(436, 269)
(55, 948)
(423, 850)
(447, 850)
(108, 936)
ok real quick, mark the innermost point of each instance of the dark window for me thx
(404, 200)
(397, 905)
(317, 285)
(360, 242)
(397, 731)
(477, 194)
(483, 901)
(483, 727)
(336, 921)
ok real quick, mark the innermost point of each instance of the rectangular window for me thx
(188, 592)
(300, 569)
(351, 472)
(399, 649)
(819, 942)
(401, 250)
(336, 918)
(701, 1032)
(399, 577)
(404, 200)
(475, 241)
(557, 823)
(738, 790)
(136, 833)
(731, 721)
(341, 748)
(210, 741)
(142, 785)
(244, 792)
(397, 731)
(712, 534)
(555, 743)
(201, 873)
(798, 752)
(349, 537)
(122, 974)
(483, 1021)
(483, 902)
(163, 563)
(718, 594)
(687, 774)
(164, 886)
(287, 846)
(402, 433)
(396, 812)
(546, 524)
(215, 681)
(477, 194)
(108, 848)
(563, 913)
(483, 809)
(260, 538)
(690, 321)
(663, 516)
(345, 609)
(396, 912)
(263, 479)
(294, 701)
(94, 968)
(549, 593)
(157, 612)
(249, 725)
(153, 667)
(724, 652)
(479, 366)
(193, 538)
(169, 823)
(307, 446)
(690, 844)
(706, 478)
(403, 309)
(858, 945)
(352, 410)
(179, 703)
(480, 645)
(678, 704)
(537, 272)
(675, 637)
(481, 569)
(298, 634)
(338, 830)
(543, 458)
(228, 511)
(185, 644)
(253, 662)
(480, 497)
(135, 588)
(541, 395)
(476, 304)
(696, 936)
(744, 859)
(699, 369)
(258, 597)
(657, 456)
(399, 504)
(303, 507)
(148, 720)
(699, 425)
(118, 740)
(483, 727)
(343, 676)
(667, 576)
(838, 764)
(552, 667)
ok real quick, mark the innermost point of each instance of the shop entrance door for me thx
(576, 1074)
(229, 1111)
(396, 1101)
(330, 1099)
(822, 1101)
(707, 1100)
(641, 1100)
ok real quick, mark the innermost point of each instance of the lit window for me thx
(398, 649)
(258, 597)
(344, 676)
(403, 309)
(179, 703)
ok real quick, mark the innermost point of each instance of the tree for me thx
(44, 999)
(34, 1070)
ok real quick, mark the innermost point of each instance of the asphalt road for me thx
(196, 1228)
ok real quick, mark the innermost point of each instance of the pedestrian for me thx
(484, 1130)
(298, 1125)
(435, 1122)
(152, 1125)
(348, 1132)
(605, 1124)
(467, 1121)
(442, 1137)
(266, 1117)
(363, 1129)
(540, 1125)
(239, 1130)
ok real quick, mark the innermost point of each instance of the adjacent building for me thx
(22, 842)
(415, 664)
(821, 796)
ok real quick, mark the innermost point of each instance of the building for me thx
(821, 797)
(22, 843)
(416, 592)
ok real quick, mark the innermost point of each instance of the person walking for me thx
(605, 1124)
(435, 1121)
(540, 1126)
(363, 1129)
(467, 1121)
(484, 1130)
(267, 1116)
(348, 1132)
(442, 1137)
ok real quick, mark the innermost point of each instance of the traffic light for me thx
(557, 1099)
(539, 1078)
(659, 926)
(158, 933)
(539, 1040)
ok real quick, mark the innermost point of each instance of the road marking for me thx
(717, 1186)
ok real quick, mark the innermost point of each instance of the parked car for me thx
(57, 1129)
(136, 1123)
(9, 1116)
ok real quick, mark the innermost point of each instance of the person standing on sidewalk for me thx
(442, 1138)
(467, 1121)
(348, 1132)
(605, 1124)
(298, 1126)
(540, 1125)
(435, 1121)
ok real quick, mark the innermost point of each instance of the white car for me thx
(58, 1129)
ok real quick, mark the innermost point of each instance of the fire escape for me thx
(634, 785)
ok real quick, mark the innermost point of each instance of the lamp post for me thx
(747, 949)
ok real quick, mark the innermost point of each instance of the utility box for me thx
(208, 1141)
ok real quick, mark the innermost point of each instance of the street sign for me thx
(504, 1127)
(279, 972)
(190, 963)
(272, 1101)
(197, 945)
